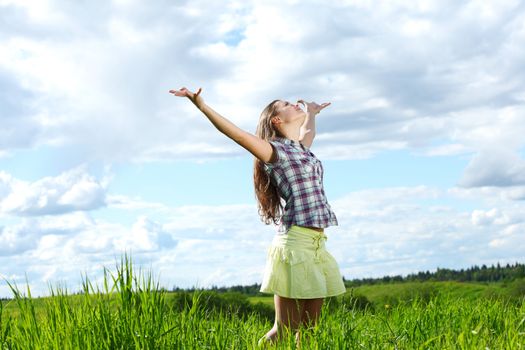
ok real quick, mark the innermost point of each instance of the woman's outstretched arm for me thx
(307, 131)
(255, 145)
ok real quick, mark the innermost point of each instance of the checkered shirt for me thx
(298, 176)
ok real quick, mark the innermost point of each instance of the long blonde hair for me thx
(268, 200)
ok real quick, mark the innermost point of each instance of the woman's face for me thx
(290, 113)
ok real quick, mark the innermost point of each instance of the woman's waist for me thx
(301, 236)
(318, 229)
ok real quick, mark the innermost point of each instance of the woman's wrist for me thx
(199, 103)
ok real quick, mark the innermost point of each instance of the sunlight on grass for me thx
(131, 311)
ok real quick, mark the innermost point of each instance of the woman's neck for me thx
(291, 134)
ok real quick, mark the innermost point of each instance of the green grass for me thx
(391, 293)
(131, 311)
(266, 300)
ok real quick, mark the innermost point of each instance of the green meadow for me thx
(131, 311)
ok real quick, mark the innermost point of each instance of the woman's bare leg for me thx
(287, 316)
(311, 312)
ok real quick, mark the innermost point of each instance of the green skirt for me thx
(298, 266)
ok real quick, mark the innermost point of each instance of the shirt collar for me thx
(288, 141)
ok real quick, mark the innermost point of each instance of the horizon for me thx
(212, 287)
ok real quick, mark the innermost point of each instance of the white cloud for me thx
(446, 150)
(16, 239)
(103, 84)
(184, 252)
(70, 191)
(404, 230)
(146, 235)
(495, 167)
(490, 217)
(125, 202)
(382, 231)
(31, 233)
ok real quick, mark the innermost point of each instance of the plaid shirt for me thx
(298, 176)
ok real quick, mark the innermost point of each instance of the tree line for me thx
(251, 290)
(483, 273)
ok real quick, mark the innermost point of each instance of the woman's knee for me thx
(288, 311)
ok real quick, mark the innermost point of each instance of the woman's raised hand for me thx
(193, 96)
(312, 107)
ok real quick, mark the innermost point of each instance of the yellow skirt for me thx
(298, 266)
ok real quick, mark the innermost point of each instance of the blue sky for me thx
(422, 146)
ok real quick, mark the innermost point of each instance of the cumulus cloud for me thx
(381, 231)
(480, 217)
(183, 253)
(495, 167)
(16, 239)
(19, 129)
(146, 235)
(405, 230)
(103, 84)
(26, 235)
(70, 191)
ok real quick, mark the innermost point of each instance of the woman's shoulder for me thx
(279, 153)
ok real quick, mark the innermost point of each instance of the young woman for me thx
(299, 270)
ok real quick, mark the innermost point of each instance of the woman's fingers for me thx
(184, 92)
(181, 92)
(314, 107)
(192, 96)
(178, 93)
(313, 103)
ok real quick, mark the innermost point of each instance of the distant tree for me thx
(494, 273)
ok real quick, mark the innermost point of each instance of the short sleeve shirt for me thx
(298, 176)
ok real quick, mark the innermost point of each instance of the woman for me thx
(299, 270)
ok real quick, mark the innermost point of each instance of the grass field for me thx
(130, 311)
